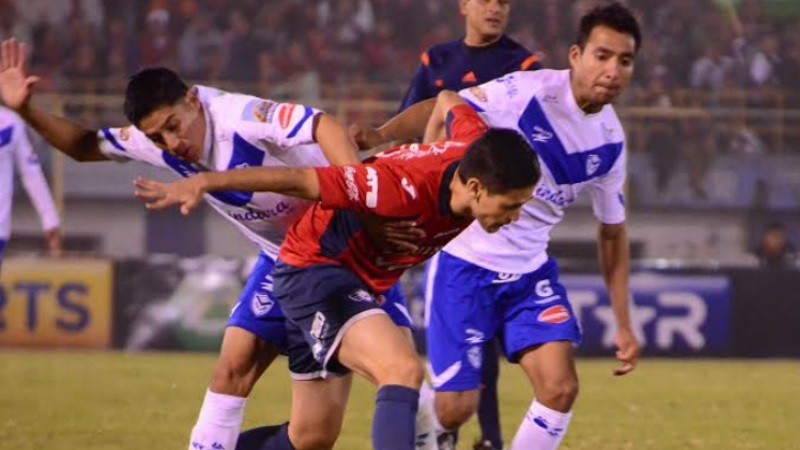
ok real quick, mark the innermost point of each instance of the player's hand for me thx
(187, 193)
(627, 351)
(15, 84)
(365, 137)
(392, 236)
(54, 241)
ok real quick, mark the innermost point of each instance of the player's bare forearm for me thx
(300, 182)
(435, 128)
(65, 135)
(614, 255)
(409, 124)
(335, 141)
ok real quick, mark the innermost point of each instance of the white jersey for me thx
(575, 151)
(16, 151)
(242, 131)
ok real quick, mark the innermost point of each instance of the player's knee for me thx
(454, 409)
(558, 394)
(405, 371)
(312, 437)
(233, 376)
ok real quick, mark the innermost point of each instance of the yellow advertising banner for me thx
(56, 303)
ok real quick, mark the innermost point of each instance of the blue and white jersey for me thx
(242, 131)
(16, 151)
(576, 151)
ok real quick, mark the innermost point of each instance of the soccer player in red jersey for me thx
(330, 276)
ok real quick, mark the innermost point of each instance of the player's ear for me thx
(574, 54)
(462, 7)
(192, 99)
(474, 187)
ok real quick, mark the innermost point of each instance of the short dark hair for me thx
(613, 15)
(502, 160)
(150, 89)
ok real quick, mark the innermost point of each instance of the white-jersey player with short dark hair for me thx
(188, 130)
(505, 284)
(17, 153)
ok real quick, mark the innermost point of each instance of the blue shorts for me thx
(467, 305)
(321, 302)
(258, 312)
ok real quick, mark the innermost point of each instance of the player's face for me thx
(492, 211)
(603, 68)
(486, 17)
(178, 129)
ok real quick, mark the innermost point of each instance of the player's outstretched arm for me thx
(188, 193)
(16, 89)
(435, 129)
(406, 126)
(614, 254)
(335, 141)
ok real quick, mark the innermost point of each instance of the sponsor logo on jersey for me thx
(260, 214)
(411, 151)
(592, 164)
(349, 179)
(554, 315)
(408, 187)
(557, 198)
(549, 98)
(285, 115)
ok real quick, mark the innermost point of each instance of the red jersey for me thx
(409, 182)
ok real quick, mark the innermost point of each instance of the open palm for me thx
(15, 84)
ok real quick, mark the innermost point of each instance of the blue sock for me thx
(256, 438)
(393, 425)
(266, 438)
(488, 408)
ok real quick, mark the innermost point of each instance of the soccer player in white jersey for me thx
(188, 130)
(505, 283)
(16, 151)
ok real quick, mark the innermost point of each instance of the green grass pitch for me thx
(76, 400)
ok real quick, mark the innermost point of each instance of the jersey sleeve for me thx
(374, 188)
(128, 144)
(464, 124)
(509, 94)
(33, 180)
(283, 124)
(608, 192)
(419, 89)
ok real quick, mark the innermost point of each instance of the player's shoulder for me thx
(510, 45)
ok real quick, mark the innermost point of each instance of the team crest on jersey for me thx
(360, 295)
(261, 304)
(125, 133)
(592, 164)
(479, 93)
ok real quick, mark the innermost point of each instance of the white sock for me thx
(426, 419)
(541, 429)
(219, 422)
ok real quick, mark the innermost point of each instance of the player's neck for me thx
(476, 40)
(583, 104)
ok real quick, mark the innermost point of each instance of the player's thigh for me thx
(379, 350)
(244, 354)
(318, 411)
(460, 303)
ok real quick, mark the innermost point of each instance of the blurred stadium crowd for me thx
(689, 44)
